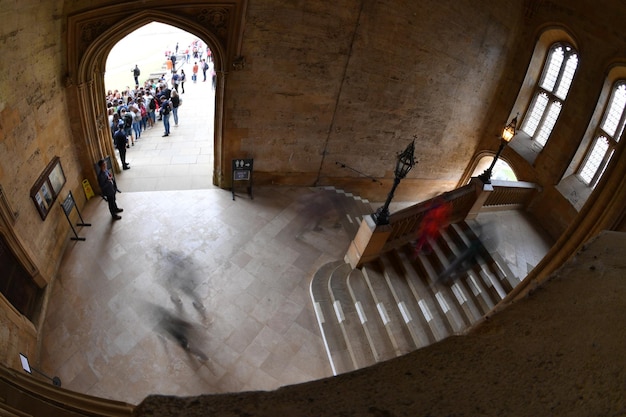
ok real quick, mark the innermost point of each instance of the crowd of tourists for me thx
(134, 110)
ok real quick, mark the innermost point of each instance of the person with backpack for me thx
(121, 142)
(205, 68)
(165, 111)
(152, 105)
(127, 118)
(175, 80)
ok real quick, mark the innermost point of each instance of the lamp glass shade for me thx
(509, 130)
(406, 161)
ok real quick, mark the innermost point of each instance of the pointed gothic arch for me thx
(482, 160)
(90, 37)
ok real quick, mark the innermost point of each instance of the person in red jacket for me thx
(435, 218)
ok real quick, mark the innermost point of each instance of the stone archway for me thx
(92, 34)
(502, 169)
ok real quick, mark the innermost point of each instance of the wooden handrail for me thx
(465, 203)
(405, 223)
(511, 193)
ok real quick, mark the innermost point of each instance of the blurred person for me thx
(184, 333)
(483, 238)
(434, 219)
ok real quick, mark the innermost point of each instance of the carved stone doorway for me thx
(93, 33)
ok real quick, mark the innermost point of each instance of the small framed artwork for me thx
(57, 177)
(47, 187)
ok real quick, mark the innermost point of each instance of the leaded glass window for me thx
(552, 90)
(607, 137)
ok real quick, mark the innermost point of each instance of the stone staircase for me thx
(399, 303)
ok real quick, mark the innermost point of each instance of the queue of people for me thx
(134, 111)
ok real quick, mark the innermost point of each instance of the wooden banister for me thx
(465, 203)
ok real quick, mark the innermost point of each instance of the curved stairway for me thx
(398, 303)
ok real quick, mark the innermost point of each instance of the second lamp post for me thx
(404, 163)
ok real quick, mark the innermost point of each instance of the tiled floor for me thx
(187, 265)
(230, 276)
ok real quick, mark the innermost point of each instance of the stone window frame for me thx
(554, 94)
(548, 41)
(611, 139)
(572, 185)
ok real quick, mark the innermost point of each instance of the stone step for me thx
(479, 275)
(421, 287)
(457, 301)
(402, 301)
(347, 316)
(463, 294)
(484, 259)
(353, 208)
(405, 299)
(455, 323)
(373, 325)
(334, 341)
(375, 275)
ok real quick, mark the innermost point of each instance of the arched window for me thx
(551, 91)
(607, 136)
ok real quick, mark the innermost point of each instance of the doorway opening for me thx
(501, 170)
(184, 159)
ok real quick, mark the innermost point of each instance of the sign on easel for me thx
(68, 204)
(242, 171)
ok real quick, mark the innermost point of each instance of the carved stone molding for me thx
(219, 20)
(6, 211)
(239, 63)
(531, 7)
(216, 19)
(90, 31)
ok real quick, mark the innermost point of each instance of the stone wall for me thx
(355, 81)
(34, 128)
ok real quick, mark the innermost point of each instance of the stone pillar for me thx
(368, 242)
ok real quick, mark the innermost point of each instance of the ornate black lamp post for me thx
(405, 162)
(507, 135)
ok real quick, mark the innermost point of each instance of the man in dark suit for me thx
(121, 140)
(107, 186)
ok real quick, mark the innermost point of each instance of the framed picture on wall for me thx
(57, 177)
(47, 187)
(41, 205)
